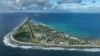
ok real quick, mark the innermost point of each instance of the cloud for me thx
(51, 5)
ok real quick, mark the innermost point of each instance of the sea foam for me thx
(7, 42)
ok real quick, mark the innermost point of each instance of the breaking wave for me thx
(8, 43)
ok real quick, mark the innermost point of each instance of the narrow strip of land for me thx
(49, 37)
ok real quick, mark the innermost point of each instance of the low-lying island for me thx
(30, 33)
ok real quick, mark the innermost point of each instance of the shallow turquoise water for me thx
(78, 24)
(74, 23)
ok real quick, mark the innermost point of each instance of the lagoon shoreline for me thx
(20, 43)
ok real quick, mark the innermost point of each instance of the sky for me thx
(89, 1)
(83, 1)
(68, 6)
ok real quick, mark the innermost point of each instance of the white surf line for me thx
(7, 42)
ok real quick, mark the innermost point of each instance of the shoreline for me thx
(69, 46)
(7, 42)
(12, 40)
(19, 43)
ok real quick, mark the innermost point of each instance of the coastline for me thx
(69, 46)
(19, 43)
(25, 44)
(7, 42)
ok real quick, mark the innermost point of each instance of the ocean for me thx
(78, 24)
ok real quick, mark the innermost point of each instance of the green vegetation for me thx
(36, 41)
(39, 34)
(22, 34)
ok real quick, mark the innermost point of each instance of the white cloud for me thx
(87, 5)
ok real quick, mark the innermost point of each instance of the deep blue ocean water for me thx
(78, 24)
